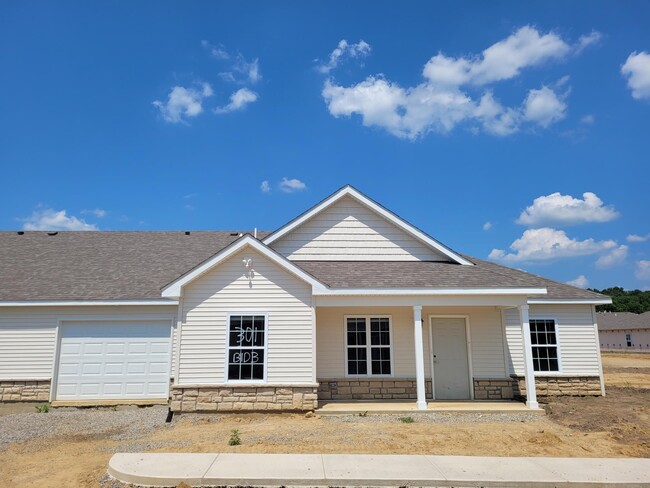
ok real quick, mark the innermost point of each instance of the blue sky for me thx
(506, 130)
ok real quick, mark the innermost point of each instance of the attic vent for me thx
(187, 232)
(20, 233)
(52, 233)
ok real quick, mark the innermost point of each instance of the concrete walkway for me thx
(410, 407)
(376, 470)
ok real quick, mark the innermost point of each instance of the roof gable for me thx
(355, 227)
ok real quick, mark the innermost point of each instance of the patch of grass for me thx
(45, 408)
(234, 440)
(406, 420)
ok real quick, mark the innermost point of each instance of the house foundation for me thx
(560, 386)
(25, 391)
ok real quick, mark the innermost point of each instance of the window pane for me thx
(246, 353)
(544, 345)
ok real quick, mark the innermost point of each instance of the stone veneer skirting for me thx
(25, 391)
(494, 389)
(560, 386)
(369, 389)
(243, 398)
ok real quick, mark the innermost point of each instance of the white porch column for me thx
(531, 392)
(419, 357)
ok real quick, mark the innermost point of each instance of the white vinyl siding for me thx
(28, 334)
(577, 342)
(349, 231)
(285, 300)
(485, 329)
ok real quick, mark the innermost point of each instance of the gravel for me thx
(122, 424)
(438, 418)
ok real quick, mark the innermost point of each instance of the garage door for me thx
(114, 360)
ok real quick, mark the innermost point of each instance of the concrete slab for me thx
(160, 469)
(629, 472)
(494, 471)
(408, 407)
(266, 469)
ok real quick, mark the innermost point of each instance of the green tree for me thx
(635, 301)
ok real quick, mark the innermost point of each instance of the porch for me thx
(409, 407)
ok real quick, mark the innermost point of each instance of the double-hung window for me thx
(543, 339)
(246, 347)
(368, 346)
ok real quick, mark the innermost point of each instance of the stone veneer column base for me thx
(25, 391)
(560, 385)
(369, 389)
(243, 398)
(494, 389)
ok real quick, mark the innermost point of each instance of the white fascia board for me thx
(173, 290)
(391, 217)
(569, 301)
(430, 291)
(86, 303)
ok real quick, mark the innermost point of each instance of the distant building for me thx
(624, 331)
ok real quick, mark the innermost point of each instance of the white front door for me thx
(114, 360)
(450, 365)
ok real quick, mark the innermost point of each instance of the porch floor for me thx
(379, 407)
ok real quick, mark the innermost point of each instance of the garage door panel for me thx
(114, 360)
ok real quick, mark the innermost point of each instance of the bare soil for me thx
(617, 425)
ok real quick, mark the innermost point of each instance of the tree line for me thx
(635, 301)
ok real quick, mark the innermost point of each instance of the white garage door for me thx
(114, 360)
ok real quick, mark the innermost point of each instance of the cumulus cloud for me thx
(343, 50)
(558, 209)
(50, 219)
(238, 101)
(642, 270)
(612, 258)
(545, 244)
(291, 185)
(637, 71)
(97, 212)
(637, 238)
(441, 101)
(183, 103)
(581, 282)
(487, 226)
(594, 37)
(265, 187)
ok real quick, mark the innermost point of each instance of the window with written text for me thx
(246, 347)
(368, 346)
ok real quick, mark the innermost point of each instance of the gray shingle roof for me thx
(136, 265)
(623, 320)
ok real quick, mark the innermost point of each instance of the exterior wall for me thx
(25, 391)
(369, 389)
(494, 389)
(209, 299)
(229, 398)
(349, 231)
(560, 386)
(28, 335)
(577, 337)
(614, 340)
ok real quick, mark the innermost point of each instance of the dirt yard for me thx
(65, 451)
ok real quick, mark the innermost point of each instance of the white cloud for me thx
(291, 185)
(439, 103)
(183, 103)
(243, 71)
(642, 270)
(97, 212)
(265, 187)
(547, 244)
(588, 120)
(637, 71)
(218, 51)
(238, 101)
(612, 258)
(501, 61)
(544, 107)
(487, 226)
(594, 37)
(581, 282)
(345, 49)
(637, 238)
(558, 209)
(50, 219)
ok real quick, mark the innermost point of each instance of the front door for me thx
(450, 366)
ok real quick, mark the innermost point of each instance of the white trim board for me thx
(377, 208)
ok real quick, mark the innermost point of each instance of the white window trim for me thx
(264, 380)
(368, 345)
(560, 370)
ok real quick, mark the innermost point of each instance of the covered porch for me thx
(424, 353)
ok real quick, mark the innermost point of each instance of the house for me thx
(624, 331)
(347, 301)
